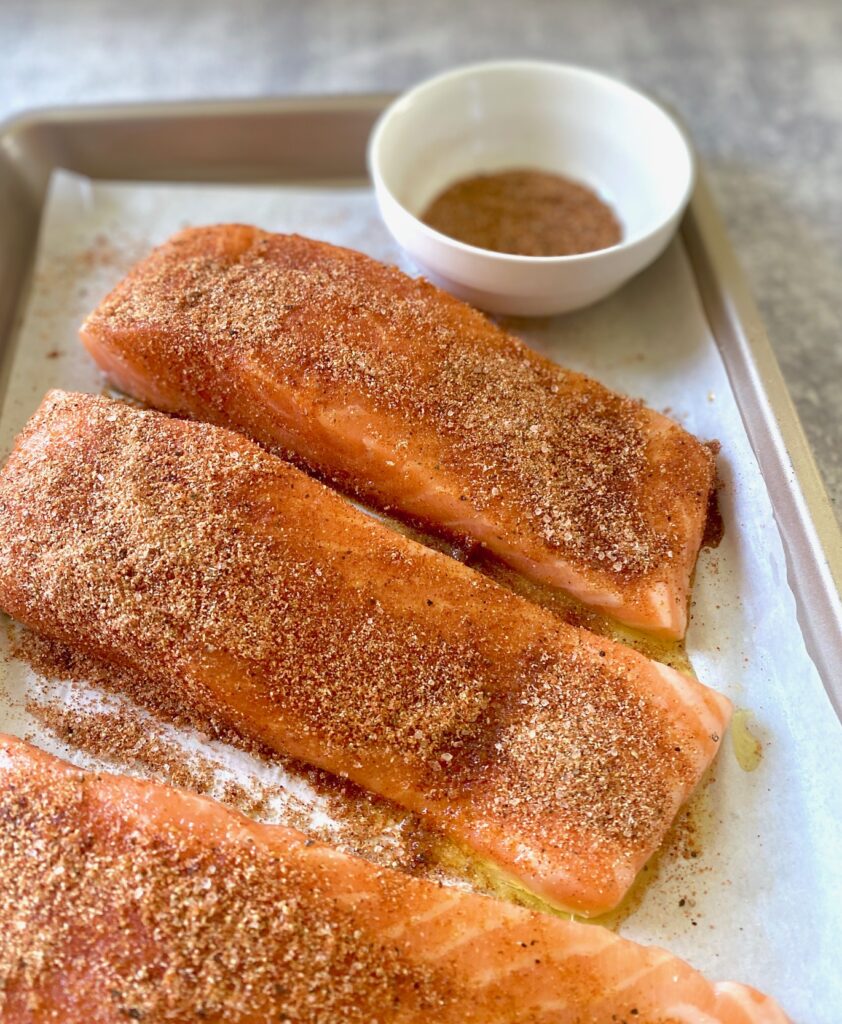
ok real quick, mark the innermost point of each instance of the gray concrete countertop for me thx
(759, 82)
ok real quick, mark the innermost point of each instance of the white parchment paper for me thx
(762, 902)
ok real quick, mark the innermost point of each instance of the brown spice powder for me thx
(525, 213)
(153, 550)
(168, 926)
(546, 454)
(118, 736)
(714, 523)
(130, 737)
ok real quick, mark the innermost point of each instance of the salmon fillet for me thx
(417, 404)
(148, 903)
(187, 553)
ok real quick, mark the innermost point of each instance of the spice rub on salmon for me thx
(143, 902)
(189, 554)
(416, 403)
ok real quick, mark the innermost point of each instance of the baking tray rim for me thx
(811, 535)
(142, 110)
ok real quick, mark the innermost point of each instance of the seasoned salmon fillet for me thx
(122, 899)
(187, 553)
(417, 404)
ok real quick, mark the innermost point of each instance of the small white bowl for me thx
(531, 114)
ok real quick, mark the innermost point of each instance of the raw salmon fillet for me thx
(219, 572)
(122, 899)
(417, 404)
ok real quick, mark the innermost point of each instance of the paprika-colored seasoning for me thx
(526, 213)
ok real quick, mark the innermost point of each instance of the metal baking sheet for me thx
(322, 142)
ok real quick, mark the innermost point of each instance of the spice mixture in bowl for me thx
(525, 212)
(529, 188)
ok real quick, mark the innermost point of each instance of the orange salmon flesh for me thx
(216, 571)
(417, 404)
(150, 904)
